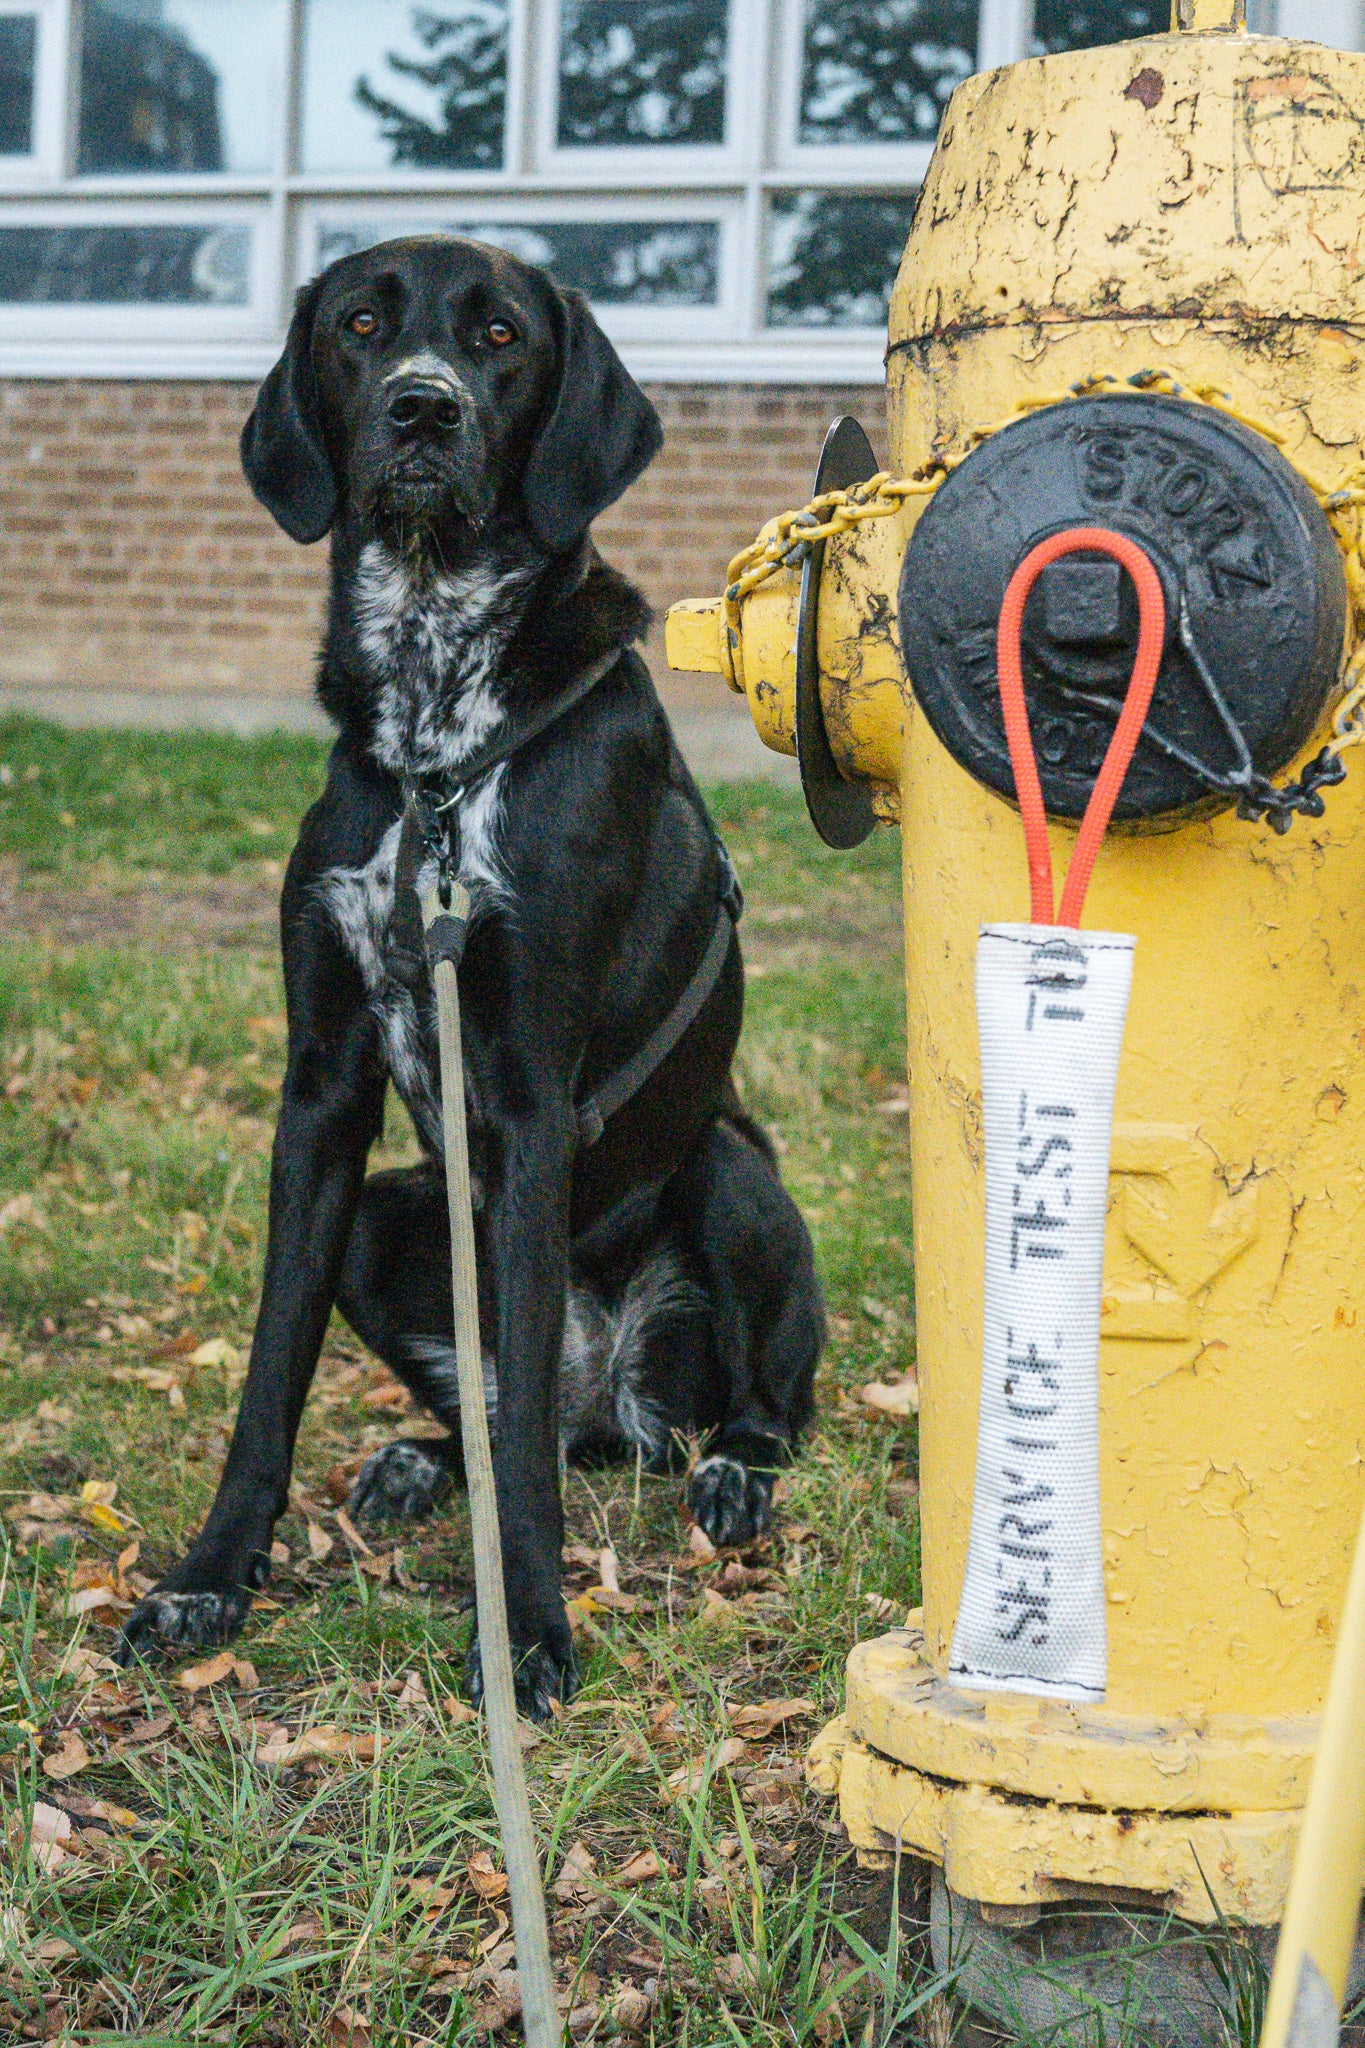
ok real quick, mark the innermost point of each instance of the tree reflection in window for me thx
(882, 70)
(642, 71)
(833, 256)
(157, 264)
(1080, 24)
(18, 56)
(149, 100)
(612, 262)
(466, 70)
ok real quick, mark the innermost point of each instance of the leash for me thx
(445, 922)
(431, 823)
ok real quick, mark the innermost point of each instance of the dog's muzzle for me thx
(423, 394)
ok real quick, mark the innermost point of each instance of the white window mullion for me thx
(523, 44)
(1005, 30)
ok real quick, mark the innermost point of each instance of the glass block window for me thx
(18, 66)
(833, 256)
(642, 72)
(730, 182)
(389, 86)
(882, 72)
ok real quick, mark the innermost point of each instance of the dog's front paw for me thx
(172, 1620)
(401, 1483)
(543, 1674)
(729, 1502)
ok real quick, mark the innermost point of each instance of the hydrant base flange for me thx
(999, 1850)
(1083, 1755)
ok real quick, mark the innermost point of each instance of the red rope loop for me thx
(1108, 783)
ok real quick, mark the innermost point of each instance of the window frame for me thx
(734, 182)
(81, 321)
(665, 163)
(625, 324)
(838, 164)
(44, 163)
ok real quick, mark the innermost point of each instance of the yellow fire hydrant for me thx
(1133, 295)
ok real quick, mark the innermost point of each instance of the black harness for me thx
(431, 831)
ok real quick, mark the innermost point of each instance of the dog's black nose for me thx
(420, 403)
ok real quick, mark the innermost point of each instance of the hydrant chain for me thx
(794, 533)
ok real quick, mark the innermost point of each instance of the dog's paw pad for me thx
(728, 1501)
(401, 1483)
(182, 1621)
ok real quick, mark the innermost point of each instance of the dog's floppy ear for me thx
(599, 433)
(283, 453)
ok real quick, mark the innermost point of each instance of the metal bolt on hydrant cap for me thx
(1131, 299)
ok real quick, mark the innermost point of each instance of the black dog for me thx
(457, 422)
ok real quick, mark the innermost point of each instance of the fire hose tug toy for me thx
(1126, 354)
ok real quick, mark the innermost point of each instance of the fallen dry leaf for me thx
(579, 1554)
(47, 1507)
(352, 1534)
(715, 1607)
(666, 1723)
(339, 1481)
(880, 1608)
(488, 1881)
(898, 1398)
(156, 1379)
(215, 1669)
(682, 1783)
(320, 1544)
(301, 1934)
(503, 2007)
(340, 1745)
(54, 1949)
(641, 1868)
(347, 2028)
(609, 1570)
(215, 1351)
(71, 1757)
(700, 1544)
(577, 1879)
(760, 1721)
(48, 1823)
(96, 1506)
(101, 1600)
(738, 1973)
(630, 2009)
(456, 1712)
(80, 1663)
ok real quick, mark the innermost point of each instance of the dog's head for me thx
(432, 386)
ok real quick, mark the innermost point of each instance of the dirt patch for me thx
(243, 910)
(222, 910)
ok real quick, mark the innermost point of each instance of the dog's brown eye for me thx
(499, 333)
(363, 322)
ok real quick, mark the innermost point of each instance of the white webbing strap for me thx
(1051, 1006)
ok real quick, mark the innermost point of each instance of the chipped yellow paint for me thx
(1193, 203)
(1008, 1851)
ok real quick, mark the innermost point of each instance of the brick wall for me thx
(133, 557)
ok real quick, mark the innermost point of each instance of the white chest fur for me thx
(432, 643)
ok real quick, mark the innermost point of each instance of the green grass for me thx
(206, 1894)
(137, 1088)
(77, 802)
